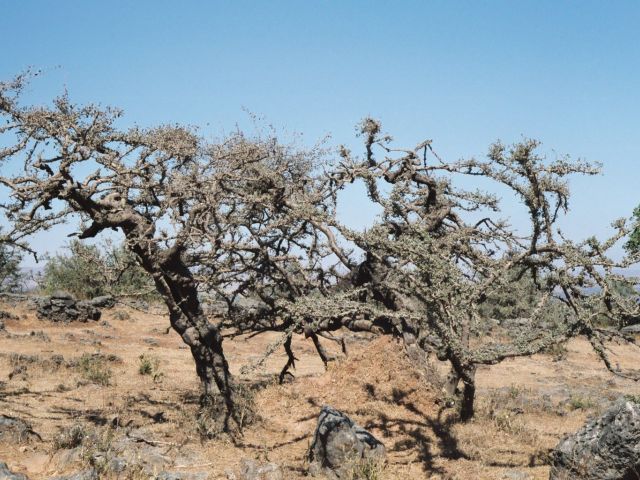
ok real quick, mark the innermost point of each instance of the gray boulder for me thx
(103, 301)
(16, 430)
(181, 476)
(89, 474)
(339, 444)
(631, 329)
(606, 448)
(250, 470)
(6, 474)
(62, 307)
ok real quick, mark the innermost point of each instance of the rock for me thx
(4, 315)
(62, 307)
(516, 475)
(181, 476)
(67, 457)
(338, 443)
(6, 474)
(168, 476)
(89, 474)
(62, 295)
(631, 329)
(117, 465)
(103, 301)
(88, 311)
(249, 470)
(16, 430)
(605, 448)
(151, 458)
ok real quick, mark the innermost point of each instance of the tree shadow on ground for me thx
(421, 432)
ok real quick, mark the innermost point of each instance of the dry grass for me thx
(92, 383)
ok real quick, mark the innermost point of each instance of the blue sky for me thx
(461, 73)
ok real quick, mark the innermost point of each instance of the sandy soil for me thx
(524, 405)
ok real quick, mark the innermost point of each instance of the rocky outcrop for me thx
(16, 430)
(181, 476)
(250, 470)
(4, 315)
(103, 301)
(89, 474)
(6, 474)
(606, 448)
(339, 445)
(631, 329)
(63, 307)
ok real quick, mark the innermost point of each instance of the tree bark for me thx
(466, 374)
(178, 289)
(467, 405)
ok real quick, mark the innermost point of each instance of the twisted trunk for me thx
(178, 288)
(466, 374)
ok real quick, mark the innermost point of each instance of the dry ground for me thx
(524, 405)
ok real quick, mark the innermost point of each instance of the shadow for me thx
(156, 417)
(419, 433)
(448, 442)
(186, 397)
(94, 416)
(261, 447)
(370, 389)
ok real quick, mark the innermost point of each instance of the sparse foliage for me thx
(249, 216)
(94, 369)
(88, 271)
(150, 365)
(11, 277)
(70, 437)
(633, 244)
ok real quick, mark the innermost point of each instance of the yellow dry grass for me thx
(376, 385)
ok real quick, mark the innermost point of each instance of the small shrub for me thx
(94, 369)
(580, 403)
(212, 413)
(633, 398)
(71, 437)
(99, 452)
(367, 469)
(514, 392)
(87, 271)
(508, 422)
(18, 359)
(149, 366)
(121, 315)
(557, 351)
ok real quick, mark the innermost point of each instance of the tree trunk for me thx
(467, 374)
(179, 291)
(467, 409)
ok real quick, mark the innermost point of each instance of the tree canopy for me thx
(251, 215)
(633, 244)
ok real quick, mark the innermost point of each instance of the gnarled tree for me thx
(160, 187)
(436, 256)
(253, 216)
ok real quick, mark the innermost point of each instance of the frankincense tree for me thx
(252, 216)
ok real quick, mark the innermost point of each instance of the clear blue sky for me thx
(461, 73)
